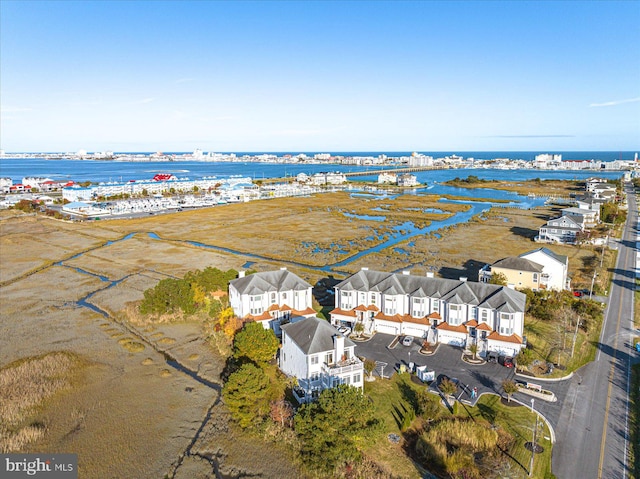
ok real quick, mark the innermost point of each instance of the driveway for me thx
(447, 360)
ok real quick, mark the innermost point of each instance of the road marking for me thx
(611, 374)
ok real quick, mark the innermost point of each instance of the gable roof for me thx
(313, 335)
(518, 264)
(558, 257)
(269, 281)
(453, 291)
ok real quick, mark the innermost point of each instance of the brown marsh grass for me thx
(25, 386)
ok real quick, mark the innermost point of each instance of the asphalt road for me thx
(592, 431)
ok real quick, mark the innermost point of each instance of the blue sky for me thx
(319, 76)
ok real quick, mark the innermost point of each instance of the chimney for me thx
(284, 268)
(406, 272)
(338, 341)
(241, 274)
(463, 279)
(364, 269)
(429, 274)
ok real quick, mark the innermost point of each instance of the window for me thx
(418, 307)
(535, 277)
(314, 377)
(356, 378)
(373, 298)
(474, 313)
(273, 298)
(328, 358)
(390, 305)
(436, 305)
(346, 380)
(284, 296)
(345, 300)
(485, 315)
(255, 304)
(314, 359)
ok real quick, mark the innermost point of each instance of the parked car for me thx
(492, 357)
(407, 341)
(507, 362)
(344, 330)
(577, 293)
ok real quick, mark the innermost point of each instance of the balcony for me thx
(343, 367)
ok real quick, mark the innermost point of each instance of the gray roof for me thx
(555, 223)
(558, 257)
(269, 281)
(313, 335)
(453, 291)
(518, 264)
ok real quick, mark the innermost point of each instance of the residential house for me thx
(563, 230)
(319, 357)
(407, 180)
(272, 298)
(586, 218)
(518, 272)
(537, 269)
(439, 310)
(387, 178)
(555, 272)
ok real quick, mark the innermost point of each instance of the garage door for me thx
(446, 339)
(417, 332)
(386, 329)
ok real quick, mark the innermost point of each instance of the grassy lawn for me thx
(634, 417)
(544, 338)
(393, 396)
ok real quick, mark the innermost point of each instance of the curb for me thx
(549, 380)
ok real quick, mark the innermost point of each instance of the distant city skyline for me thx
(319, 76)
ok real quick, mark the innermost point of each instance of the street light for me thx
(533, 443)
(593, 280)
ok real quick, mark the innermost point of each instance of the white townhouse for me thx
(563, 230)
(272, 298)
(319, 357)
(440, 310)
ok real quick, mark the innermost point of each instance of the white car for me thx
(407, 341)
(346, 331)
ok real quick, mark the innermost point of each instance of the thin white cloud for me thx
(616, 102)
(184, 80)
(144, 101)
(14, 109)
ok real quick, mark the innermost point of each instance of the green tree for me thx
(428, 404)
(255, 343)
(448, 387)
(369, 367)
(509, 387)
(248, 395)
(358, 328)
(168, 296)
(473, 347)
(498, 278)
(332, 428)
(524, 358)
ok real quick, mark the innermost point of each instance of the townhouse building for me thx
(272, 298)
(455, 312)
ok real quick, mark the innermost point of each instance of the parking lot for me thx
(447, 360)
